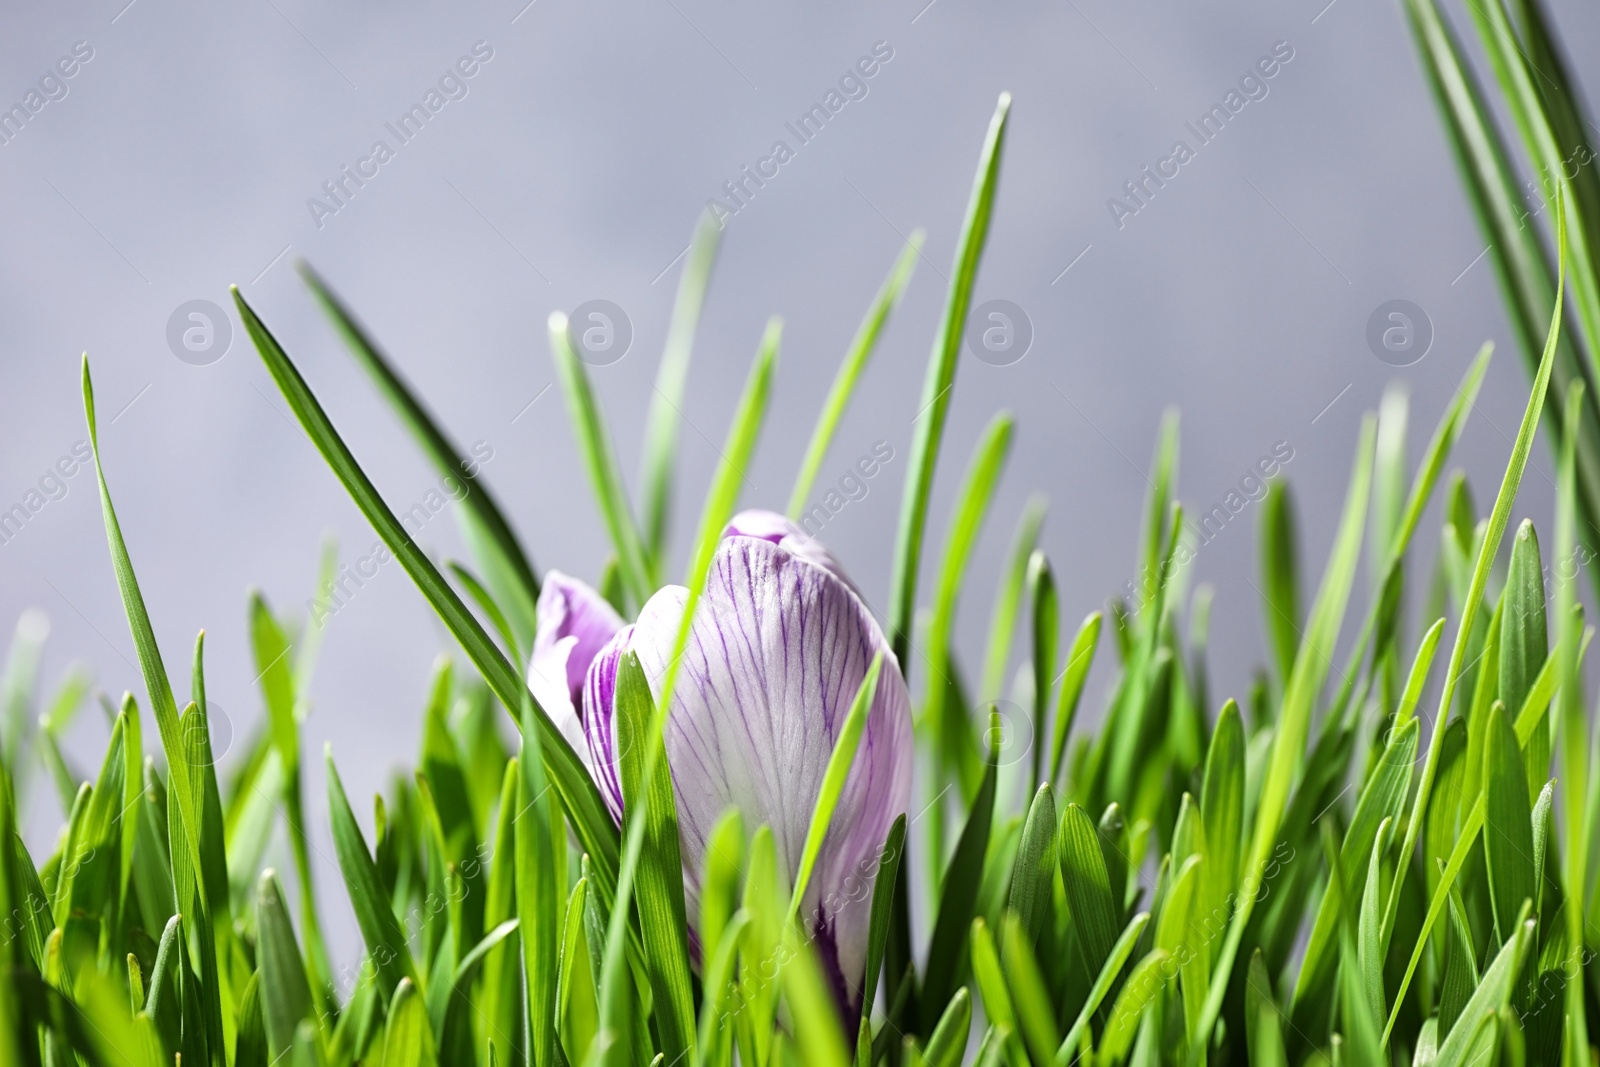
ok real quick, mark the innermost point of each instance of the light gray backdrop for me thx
(182, 156)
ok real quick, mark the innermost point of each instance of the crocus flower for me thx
(575, 622)
(779, 646)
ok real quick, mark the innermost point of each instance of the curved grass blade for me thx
(507, 564)
(951, 733)
(855, 362)
(1080, 657)
(1524, 275)
(579, 796)
(1102, 985)
(407, 1041)
(1499, 515)
(486, 603)
(1144, 981)
(1008, 595)
(615, 1006)
(274, 672)
(884, 888)
(1305, 681)
(1263, 1020)
(1380, 801)
(1508, 824)
(935, 403)
(659, 882)
(959, 892)
(1526, 101)
(810, 1001)
(1525, 640)
(666, 405)
(949, 1039)
(157, 684)
(990, 978)
(1571, 720)
(1529, 719)
(538, 831)
(718, 983)
(1029, 996)
(1222, 808)
(833, 780)
(1088, 885)
(387, 947)
(634, 561)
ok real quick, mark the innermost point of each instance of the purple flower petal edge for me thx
(778, 648)
(574, 624)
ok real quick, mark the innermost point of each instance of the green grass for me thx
(1339, 872)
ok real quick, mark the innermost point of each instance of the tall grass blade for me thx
(934, 407)
(579, 796)
(1305, 681)
(849, 374)
(1498, 517)
(672, 378)
(509, 569)
(634, 560)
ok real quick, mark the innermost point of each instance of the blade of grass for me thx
(1046, 616)
(1102, 985)
(285, 996)
(1080, 657)
(539, 830)
(833, 781)
(1526, 101)
(634, 560)
(659, 880)
(274, 672)
(883, 893)
(1498, 517)
(855, 362)
(959, 892)
(672, 377)
(157, 684)
(1088, 886)
(949, 1039)
(1008, 595)
(1033, 873)
(1525, 640)
(506, 564)
(579, 796)
(1529, 719)
(386, 943)
(1305, 681)
(1524, 275)
(1571, 724)
(1029, 996)
(1280, 573)
(951, 736)
(719, 505)
(934, 406)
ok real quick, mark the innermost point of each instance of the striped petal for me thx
(778, 648)
(575, 622)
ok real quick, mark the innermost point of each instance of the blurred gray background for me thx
(183, 154)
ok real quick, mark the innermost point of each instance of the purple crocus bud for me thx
(575, 622)
(779, 645)
(783, 532)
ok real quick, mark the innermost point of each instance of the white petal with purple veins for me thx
(575, 622)
(771, 526)
(778, 648)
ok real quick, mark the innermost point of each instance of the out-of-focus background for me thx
(191, 143)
